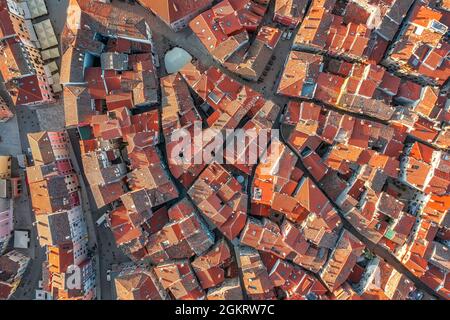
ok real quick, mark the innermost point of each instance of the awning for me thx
(52, 66)
(50, 54)
(45, 34)
(37, 8)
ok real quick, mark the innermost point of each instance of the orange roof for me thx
(421, 152)
(348, 38)
(423, 15)
(436, 207)
(329, 87)
(178, 277)
(209, 266)
(314, 29)
(60, 258)
(290, 12)
(342, 261)
(410, 90)
(172, 11)
(122, 227)
(424, 129)
(300, 74)
(428, 102)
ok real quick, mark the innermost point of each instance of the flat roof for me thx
(21, 239)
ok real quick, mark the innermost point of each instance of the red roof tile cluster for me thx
(52, 181)
(301, 72)
(179, 115)
(226, 31)
(360, 141)
(176, 13)
(21, 64)
(389, 285)
(221, 198)
(287, 242)
(138, 282)
(361, 31)
(13, 63)
(184, 236)
(250, 63)
(229, 100)
(244, 153)
(179, 279)
(377, 148)
(348, 39)
(229, 290)
(257, 283)
(223, 30)
(369, 90)
(108, 20)
(290, 12)
(419, 167)
(358, 88)
(296, 283)
(371, 202)
(390, 17)
(279, 188)
(106, 172)
(329, 88)
(435, 210)
(427, 258)
(210, 267)
(342, 261)
(13, 265)
(126, 76)
(422, 48)
(128, 88)
(314, 29)
(61, 227)
(127, 230)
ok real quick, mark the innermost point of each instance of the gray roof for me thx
(114, 61)
(60, 227)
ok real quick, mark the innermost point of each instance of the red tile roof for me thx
(171, 11)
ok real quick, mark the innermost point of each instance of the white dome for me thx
(176, 59)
